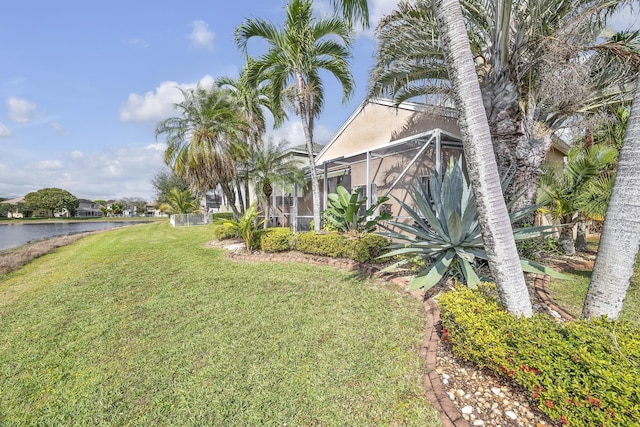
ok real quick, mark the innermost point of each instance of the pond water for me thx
(14, 235)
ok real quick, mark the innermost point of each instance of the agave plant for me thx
(446, 231)
(343, 213)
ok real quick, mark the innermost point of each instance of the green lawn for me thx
(146, 326)
(570, 294)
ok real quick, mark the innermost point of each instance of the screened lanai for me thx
(389, 169)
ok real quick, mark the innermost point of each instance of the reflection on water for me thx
(14, 235)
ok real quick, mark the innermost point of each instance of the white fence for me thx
(188, 220)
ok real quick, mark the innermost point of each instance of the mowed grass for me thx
(570, 294)
(147, 326)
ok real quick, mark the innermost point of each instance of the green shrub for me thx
(276, 239)
(247, 227)
(343, 212)
(368, 247)
(325, 244)
(224, 232)
(539, 248)
(582, 373)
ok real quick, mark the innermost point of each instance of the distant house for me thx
(88, 209)
(153, 209)
(17, 210)
(15, 207)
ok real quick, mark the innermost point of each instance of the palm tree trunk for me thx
(231, 199)
(520, 146)
(581, 235)
(239, 190)
(567, 244)
(531, 151)
(247, 196)
(481, 163)
(620, 237)
(308, 137)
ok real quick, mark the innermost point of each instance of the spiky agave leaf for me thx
(430, 276)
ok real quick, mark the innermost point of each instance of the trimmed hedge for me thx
(327, 244)
(582, 373)
(224, 232)
(362, 248)
(276, 239)
(368, 248)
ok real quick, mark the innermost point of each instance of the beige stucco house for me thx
(384, 149)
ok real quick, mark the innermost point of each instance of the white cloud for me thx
(58, 128)
(124, 171)
(293, 133)
(159, 104)
(4, 131)
(138, 42)
(380, 9)
(20, 110)
(200, 35)
(50, 165)
(159, 146)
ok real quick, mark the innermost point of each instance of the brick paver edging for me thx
(541, 286)
(450, 415)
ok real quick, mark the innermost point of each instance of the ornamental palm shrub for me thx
(578, 191)
(247, 227)
(343, 213)
(181, 202)
(446, 231)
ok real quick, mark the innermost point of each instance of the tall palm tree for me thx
(539, 63)
(297, 53)
(620, 238)
(272, 165)
(481, 164)
(253, 100)
(200, 140)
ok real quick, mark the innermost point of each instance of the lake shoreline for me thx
(17, 234)
(12, 259)
(9, 221)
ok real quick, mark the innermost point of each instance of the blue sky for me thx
(83, 85)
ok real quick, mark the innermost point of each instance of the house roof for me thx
(379, 123)
(14, 201)
(302, 149)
